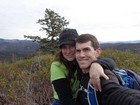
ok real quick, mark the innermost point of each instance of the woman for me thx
(65, 72)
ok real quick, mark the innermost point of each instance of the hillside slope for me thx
(135, 47)
(16, 48)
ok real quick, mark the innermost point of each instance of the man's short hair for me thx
(83, 38)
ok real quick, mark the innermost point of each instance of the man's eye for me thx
(77, 51)
(86, 50)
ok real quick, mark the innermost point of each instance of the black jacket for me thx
(112, 92)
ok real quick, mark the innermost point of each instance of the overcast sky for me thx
(108, 20)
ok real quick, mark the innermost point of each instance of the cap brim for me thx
(67, 43)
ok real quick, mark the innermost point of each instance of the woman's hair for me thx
(72, 66)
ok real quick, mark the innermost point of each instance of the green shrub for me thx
(124, 59)
(27, 82)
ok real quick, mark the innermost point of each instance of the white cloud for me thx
(109, 20)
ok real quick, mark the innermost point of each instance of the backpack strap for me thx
(136, 78)
(82, 89)
(121, 74)
(122, 77)
(91, 95)
(128, 78)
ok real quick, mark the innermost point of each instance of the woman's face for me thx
(68, 52)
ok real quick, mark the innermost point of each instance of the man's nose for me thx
(82, 54)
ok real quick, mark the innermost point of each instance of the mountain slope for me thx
(16, 48)
(135, 47)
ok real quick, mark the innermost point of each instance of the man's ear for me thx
(98, 52)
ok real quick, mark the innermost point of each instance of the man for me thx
(87, 51)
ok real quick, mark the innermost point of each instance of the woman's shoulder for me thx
(58, 70)
(57, 63)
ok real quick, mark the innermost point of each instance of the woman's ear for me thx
(98, 52)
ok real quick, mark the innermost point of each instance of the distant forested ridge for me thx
(16, 49)
(19, 49)
(134, 47)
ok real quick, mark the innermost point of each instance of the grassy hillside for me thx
(124, 59)
(27, 82)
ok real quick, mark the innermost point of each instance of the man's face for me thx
(86, 54)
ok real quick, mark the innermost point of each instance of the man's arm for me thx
(114, 94)
(97, 71)
(107, 63)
